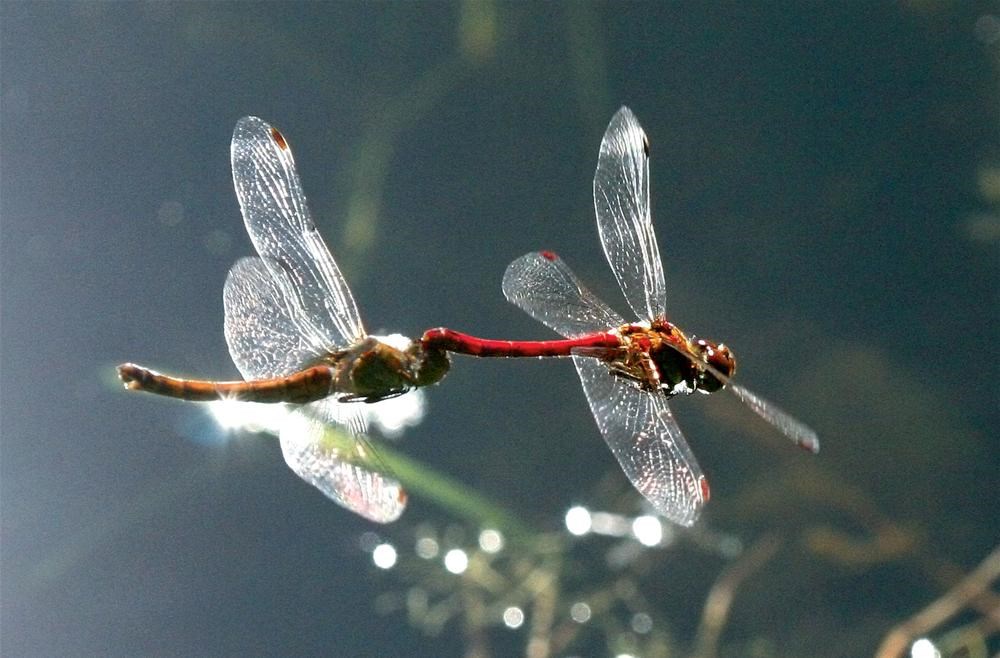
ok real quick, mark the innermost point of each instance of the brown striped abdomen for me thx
(307, 385)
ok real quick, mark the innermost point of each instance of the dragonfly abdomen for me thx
(454, 341)
(305, 386)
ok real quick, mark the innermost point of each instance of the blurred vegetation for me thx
(573, 593)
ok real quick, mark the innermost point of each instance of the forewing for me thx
(802, 435)
(267, 331)
(621, 201)
(281, 228)
(645, 438)
(542, 285)
(340, 468)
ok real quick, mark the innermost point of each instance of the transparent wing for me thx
(802, 435)
(267, 331)
(281, 228)
(645, 438)
(542, 285)
(621, 200)
(339, 465)
(290, 306)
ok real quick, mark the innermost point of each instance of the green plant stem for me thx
(447, 493)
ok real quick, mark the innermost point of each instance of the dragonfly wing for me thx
(266, 330)
(802, 435)
(340, 466)
(281, 228)
(621, 201)
(645, 438)
(542, 285)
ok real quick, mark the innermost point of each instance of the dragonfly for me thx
(629, 370)
(295, 334)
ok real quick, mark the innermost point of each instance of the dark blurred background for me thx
(825, 189)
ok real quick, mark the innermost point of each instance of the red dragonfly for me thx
(295, 334)
(629, 369)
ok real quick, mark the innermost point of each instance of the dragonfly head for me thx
(430, 365)
(720, 358)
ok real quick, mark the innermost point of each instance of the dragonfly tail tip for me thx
(130, 375)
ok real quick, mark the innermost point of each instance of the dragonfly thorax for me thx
(374, 368)
(660, 357)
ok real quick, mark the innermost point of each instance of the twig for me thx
(963, 594)
(720, 597)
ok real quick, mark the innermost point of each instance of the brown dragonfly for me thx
(295, 334)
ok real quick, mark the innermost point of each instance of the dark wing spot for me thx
(279, 139)
(645, 145)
